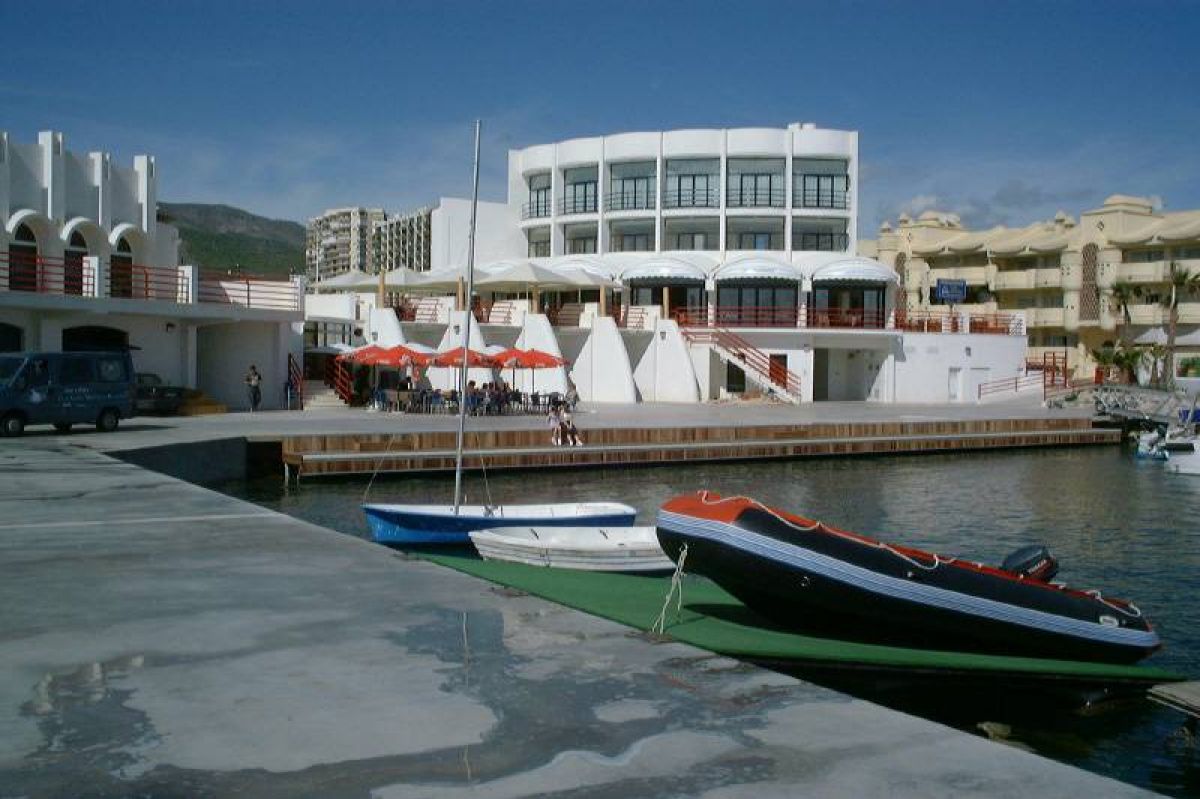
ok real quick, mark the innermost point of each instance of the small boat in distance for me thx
(806, 575)
(450, 524)
(607, 549)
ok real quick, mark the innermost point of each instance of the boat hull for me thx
(606, 549)
(849, 586)
(393, 524)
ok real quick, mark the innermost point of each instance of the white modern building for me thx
(692, 265)
(85, 264)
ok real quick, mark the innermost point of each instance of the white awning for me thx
(862, 270)
(663, 269)
(754, 267)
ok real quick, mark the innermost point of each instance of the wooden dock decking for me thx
(422, 452)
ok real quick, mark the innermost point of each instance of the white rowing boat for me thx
(611, 549)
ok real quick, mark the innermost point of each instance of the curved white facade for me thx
(791, 191)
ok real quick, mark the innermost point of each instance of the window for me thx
(1143, 256)
(120, 277)
(754, 241)
(1187, 252)
(631, 187)
(636, 242)
(579, 196)
(23, 261)
(581, 245)
(691, 241)
(111, 370)
(756, 182)
(539, 249)
(74, 371)
(692, 183)
(820, 183)
(539, 197)
(820, 235)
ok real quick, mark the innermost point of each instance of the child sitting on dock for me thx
(570, 433)
(555, 421)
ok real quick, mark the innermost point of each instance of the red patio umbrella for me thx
(401, 356)
(454, 357)
(364, 355)
(536, 359)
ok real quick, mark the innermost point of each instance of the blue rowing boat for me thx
(440, 524)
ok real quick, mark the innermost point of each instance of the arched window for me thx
(120, 276)
(73, 264)
(23, 260)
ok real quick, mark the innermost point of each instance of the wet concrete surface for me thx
(161, 640)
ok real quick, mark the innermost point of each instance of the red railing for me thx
(928, 321)
(296, 380)
(139, 282)
(754, 358)
(338, 377)
(427, 311)
(1006, 385)
(851, 318)
(40, 275)
(249, 291)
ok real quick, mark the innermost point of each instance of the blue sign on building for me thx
(951, 292)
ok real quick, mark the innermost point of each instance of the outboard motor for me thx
(1033, 561)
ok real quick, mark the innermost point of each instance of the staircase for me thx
(757, 365)
(317, 395)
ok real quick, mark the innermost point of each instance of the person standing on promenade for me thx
(254, 387)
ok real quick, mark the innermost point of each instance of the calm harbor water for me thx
(1115, 523)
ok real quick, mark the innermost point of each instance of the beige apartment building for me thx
(402, 241)
(1058, 273)
(340, 240)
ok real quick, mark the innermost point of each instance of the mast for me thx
(466, 342)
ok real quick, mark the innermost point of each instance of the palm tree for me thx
(1183, 283)
(1158, 354)
(1123, 295)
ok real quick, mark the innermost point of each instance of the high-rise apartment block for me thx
(340, 240)
(402, 241)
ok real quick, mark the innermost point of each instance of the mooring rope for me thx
(660, 625)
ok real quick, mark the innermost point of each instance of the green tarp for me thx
(713, 620)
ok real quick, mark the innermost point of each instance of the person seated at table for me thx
(436, 401)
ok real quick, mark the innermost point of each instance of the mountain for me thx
(222, 237)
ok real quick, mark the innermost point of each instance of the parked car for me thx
(154, 396)
(65, 388)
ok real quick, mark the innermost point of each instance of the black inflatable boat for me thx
(807, 575)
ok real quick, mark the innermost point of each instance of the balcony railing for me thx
(820, 242)
(739, 197)
(691, 198)
(577, 205)
(630, 201)
(40, 275)
(539, 209)
(248, 291)
(837, 200)
(927, 321)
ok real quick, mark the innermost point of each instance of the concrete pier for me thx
(159, 639)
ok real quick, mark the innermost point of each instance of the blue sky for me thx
(1002, 112)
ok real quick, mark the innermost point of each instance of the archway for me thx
(94, 338)
(23, 260)
(120, 275)
(73, 256)
(12, 338)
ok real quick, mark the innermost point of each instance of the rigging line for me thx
(660, 624)
(378, 463)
